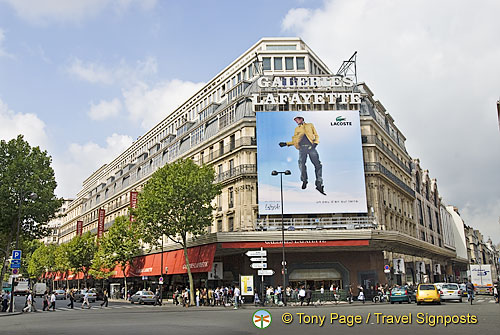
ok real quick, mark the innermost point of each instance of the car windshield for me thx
(398, 290)
(450, 286)
(427, 287)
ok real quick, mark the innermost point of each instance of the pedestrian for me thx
(350, 294)
(5, 301)
(197, 297)
(86, 299)
(29, 303)
(71, 297)
(322, 293)
(302, 295)
(52, 301)
(236, 295)
(495, 293)
(105, 298)
(308, 295)
(45, 302)
(361, 295)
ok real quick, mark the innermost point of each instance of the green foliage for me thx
(177, 201)
(119, 246)
(42, 260)
(62, 258)
(81, 252)
(25, 170)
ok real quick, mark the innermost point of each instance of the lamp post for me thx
(281, 173)
(161, 273)
(32, 196)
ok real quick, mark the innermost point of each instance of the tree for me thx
(62, 260)
(42, 260)
(27, 185)
(175, 202)
(81, 252)
(120, 245)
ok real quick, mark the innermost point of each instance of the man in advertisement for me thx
(306, 139)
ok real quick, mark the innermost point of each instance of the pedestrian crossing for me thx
(78, 308)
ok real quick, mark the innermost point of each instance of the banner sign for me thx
(247, 287)
(79, 228)
(133, 203)
(100, 223)
(322, 149)
(398, 264)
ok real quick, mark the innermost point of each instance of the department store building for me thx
(390, 218)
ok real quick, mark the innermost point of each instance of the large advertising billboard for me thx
(322, 150)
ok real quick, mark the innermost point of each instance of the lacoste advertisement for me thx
(322, 150)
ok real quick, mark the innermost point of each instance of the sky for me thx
(83, 79)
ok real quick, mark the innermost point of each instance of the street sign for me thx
(265, 272)
(15, 264)
(15, 272)
(16, 254)
(160, 281)
(258, 259)
(256, 253)
(258, 265)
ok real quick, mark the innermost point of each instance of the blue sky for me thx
(83, 79)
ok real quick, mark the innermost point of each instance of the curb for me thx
(10, 314)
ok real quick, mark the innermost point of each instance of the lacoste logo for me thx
(340, 121)
(340, 118)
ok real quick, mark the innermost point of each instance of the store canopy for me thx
(200, 259)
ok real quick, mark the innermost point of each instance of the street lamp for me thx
(281, 173)
(32, 196)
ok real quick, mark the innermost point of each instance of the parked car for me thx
(463, 289)
(81, 293)
(428, 293)
(450, 291)
(399, 294)
(143, 297)
(60, 294)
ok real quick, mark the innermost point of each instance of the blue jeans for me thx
(309, 150)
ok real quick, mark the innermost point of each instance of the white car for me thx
(450, 291)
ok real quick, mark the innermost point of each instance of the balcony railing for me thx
(377, 167)
(349, 223)
(372, 139)
(237, 171)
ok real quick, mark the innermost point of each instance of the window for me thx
(437, 223)
(231, 165)
(432, 239)
(281, 47)
(232, 142)
(289, 63)
(278, 63)
(266, 63)
(221, 148)
(423, 236)
(300, 63)
(219, 225)
(430, 217)
(231, 197)
(420, 213)
(230, 224)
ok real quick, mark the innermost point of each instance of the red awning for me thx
(200, 259)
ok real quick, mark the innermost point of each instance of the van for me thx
(22, 288)
(39, 289)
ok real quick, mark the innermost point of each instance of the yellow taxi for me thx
(428, 293)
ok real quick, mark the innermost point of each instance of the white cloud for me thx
(42, 12)
(434, 66)
(81, 160)
(29, 125)
(3, 52)
(105, 109)
(150, 105)
(122, 73)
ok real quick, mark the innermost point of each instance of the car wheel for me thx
(131, 301)
(141, 302)
(418, 302)
(409, 300)
(460, 300)
(439, 302)
(392, 302)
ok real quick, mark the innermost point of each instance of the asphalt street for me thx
(124, 318)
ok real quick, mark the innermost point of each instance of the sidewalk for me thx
(9, 314)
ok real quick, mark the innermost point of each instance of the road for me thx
(125, 318)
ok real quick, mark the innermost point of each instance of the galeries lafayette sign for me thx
(331, 90)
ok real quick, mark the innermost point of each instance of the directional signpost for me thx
(258, 257)
(265, 272)
(15, 264)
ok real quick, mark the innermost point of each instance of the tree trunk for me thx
(190, 276)
(7, 250)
